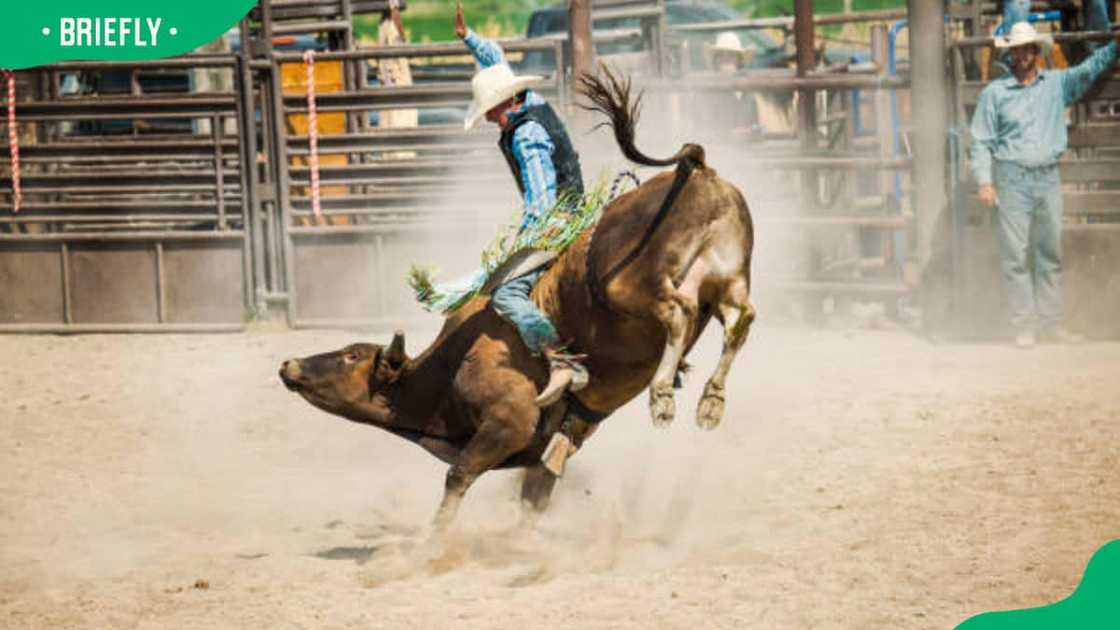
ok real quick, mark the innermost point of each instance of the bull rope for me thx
(312, 132)
(13, 141)
(618, 182)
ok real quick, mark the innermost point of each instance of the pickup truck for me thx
(552, 22)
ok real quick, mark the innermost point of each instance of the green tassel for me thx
(555, 230)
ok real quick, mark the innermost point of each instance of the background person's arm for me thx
(983, 137)
(1077, 80)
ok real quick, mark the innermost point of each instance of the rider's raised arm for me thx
(486, 52)
(533, 148)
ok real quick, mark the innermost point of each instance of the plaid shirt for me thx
(532, 146)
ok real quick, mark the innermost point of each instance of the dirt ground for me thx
(860, 480)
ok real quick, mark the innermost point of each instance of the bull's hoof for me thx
(662, 407)
(710, 411)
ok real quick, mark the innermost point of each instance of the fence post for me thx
(579, 34)
(807, 128)
(929, 88)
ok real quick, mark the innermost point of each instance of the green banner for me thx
(1095, 605)
(38, 33)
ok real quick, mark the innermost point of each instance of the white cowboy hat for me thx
(1022, 34)
(728, 42)
(493, 85)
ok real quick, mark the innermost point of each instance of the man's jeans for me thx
(511, 301)
(1030, 224)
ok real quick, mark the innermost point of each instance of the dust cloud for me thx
(859, 479)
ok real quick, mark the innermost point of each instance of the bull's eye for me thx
(350, 357)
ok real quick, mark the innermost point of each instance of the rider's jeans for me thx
(511, 301)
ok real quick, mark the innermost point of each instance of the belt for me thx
(1040, 168)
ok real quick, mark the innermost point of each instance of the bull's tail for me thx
(610, 96)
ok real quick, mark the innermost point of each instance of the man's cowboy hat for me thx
(728, 42)
(493, 85)
(1023, 34)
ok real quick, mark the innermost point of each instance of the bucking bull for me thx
(633, 293)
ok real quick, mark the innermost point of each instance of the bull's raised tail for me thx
(610, 96)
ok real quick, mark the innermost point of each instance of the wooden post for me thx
(579, 35)
(930, 93)
(807, 114)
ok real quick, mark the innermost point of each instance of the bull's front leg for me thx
(507, 428)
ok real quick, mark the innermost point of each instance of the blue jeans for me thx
(1030, 226)
(511, 302)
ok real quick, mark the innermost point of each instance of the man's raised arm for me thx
(486, 52)
(1077, 80)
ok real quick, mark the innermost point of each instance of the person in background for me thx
(1019, 134)
(1094, 17)
(394, 71)
(727, 57)
(545, 166)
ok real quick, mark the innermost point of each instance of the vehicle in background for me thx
(552, 22)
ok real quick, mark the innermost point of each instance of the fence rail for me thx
(148, 211)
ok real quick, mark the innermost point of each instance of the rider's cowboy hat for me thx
(728, 42)
(493, 85)
(1023, 34)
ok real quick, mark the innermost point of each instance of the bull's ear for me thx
(395, 355)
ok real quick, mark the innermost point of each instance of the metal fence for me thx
(150, 205)
(121, 209)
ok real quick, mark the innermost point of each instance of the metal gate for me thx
(132, 219)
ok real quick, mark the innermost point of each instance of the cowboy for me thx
(1019, 133)
(545, 167)
(1094, 17)
(727, 57)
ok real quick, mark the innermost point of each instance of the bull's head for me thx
(346, 381)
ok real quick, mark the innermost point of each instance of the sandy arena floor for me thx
(860, 480)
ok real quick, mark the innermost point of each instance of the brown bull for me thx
(633, 295)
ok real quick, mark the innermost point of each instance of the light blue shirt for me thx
(1025, 124)
(532, 146)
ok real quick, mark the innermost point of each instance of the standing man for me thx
(394, 71)
(727, 57)
(545, 167)
(1019, 133)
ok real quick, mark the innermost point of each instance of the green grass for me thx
(433, 20)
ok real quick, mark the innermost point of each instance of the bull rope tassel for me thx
(13, 141)
(312, 132)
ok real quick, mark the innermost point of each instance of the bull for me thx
(633, 293)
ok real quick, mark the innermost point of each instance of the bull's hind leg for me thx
(536, 491)
(735, 312)
(676, 311)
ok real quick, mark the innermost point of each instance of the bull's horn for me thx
(395, 354)
(398, 342)
(558, 382)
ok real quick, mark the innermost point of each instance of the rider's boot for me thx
(566, 373)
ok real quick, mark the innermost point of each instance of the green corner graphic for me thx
(39, 33)
(1094, 605)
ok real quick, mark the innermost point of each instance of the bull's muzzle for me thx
(290, 373)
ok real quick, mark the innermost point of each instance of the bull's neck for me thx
(413, 402)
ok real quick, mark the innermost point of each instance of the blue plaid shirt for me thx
(1025, 124)
(532, 146)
